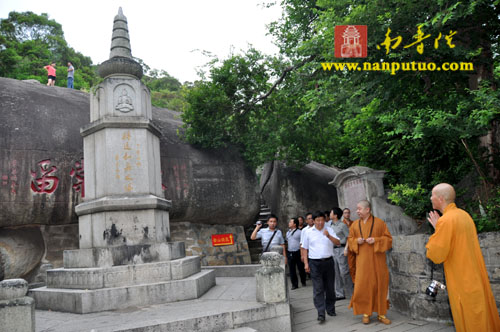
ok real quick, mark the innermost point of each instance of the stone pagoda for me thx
(125, 257)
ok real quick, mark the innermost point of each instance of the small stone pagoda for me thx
(125, 257)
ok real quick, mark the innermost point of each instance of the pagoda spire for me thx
(120, 57)
(120, 41)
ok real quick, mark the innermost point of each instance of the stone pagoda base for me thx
(86, 290)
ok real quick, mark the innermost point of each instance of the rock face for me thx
(205, 186)
(42, 172)
(290, 192)
(20, 251)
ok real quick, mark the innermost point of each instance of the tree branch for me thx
(278, 82)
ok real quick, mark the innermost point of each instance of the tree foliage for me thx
(28, 42)
(420, 126)
(166, 90)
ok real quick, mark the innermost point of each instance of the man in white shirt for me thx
(318, 243)
(310, 224)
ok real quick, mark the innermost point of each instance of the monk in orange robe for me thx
(455, 244)
(369, 239)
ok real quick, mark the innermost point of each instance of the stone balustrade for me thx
(410, 274)
(17, 311)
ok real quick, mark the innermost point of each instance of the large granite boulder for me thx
(41, 172)
(41, 168)
(290, 192)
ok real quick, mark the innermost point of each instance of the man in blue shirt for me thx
(269, 236)
(71, 75)
(293, 253)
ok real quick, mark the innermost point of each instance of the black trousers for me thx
(323, 279)
(294, 262)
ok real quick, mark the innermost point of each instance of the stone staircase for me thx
(255, 246)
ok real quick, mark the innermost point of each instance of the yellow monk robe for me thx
(455, 244)
(372, 276)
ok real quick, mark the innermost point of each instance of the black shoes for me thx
(295, 287)
(321, 319)
(303, 284)
(340, 298)
(331, 313)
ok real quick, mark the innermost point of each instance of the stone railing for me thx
(411, 271)
(17, 311)
(271, 282)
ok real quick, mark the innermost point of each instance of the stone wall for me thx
(410, 274)
(357, 183)
(198, 241)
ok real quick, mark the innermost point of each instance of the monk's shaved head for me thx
(446, 191)
(363, 209)
(364, 203)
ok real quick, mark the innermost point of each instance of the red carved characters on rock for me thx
(77, 174)
(46, 183)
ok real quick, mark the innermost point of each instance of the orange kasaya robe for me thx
(455, 244)
(351, 260)
(372, 275)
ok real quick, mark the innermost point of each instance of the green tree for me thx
(420, 126)
(28, 42)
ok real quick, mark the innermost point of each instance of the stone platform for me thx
(86, 290)
(230, 304)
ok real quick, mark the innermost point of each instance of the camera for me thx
(433, 288)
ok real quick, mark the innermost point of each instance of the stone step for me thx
(117, 276)
(84, 301)
(230, 304)
(255, 258)
(242, 329)
(254, 244)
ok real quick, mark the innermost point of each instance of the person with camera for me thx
(455, 244)
(270, 236)
(369, 239)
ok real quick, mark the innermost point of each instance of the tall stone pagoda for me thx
(125, 257)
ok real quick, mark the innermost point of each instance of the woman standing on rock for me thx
(51, 72)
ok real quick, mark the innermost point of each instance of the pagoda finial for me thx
(120, 42)
(120, 58)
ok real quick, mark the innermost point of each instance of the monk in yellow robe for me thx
(369, 239)
(455, 244)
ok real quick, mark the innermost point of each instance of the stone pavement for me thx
(305, 315)
(230, 295)
(229, 304)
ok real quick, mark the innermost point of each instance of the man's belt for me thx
(320, 259)
(341, 246)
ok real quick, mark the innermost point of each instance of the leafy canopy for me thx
(423, 127)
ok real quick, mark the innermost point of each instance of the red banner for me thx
(222, 240)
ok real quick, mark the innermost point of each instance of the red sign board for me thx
(222, 240)
(351, 41)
